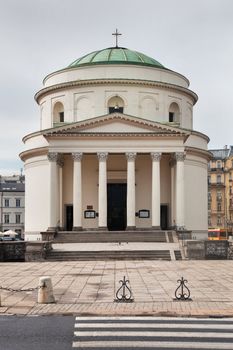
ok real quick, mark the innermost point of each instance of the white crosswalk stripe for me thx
(99, 333)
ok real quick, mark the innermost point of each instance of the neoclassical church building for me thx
(116, 149)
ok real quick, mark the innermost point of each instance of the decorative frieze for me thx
(77, 156)
(131, 155)
(102, 155)
(180, 156)
(156, 156)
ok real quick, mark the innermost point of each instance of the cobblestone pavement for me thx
(89, 287)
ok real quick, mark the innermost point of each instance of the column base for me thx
(77, 228)
(130, 228)
(156, 228)
(102, 228)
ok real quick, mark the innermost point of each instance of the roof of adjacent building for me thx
(12, 187)
(116, 55)
(222, 153)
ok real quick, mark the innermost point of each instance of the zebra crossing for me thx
(115, 333)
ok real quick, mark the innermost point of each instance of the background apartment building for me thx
(220, 188)
(12, 206)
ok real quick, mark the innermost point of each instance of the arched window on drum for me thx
(174, 113)
(58, 113)
(115, 105)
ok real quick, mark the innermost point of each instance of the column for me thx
(53, 190)
(77, 191)
(60, 163)
(131, 156)
(102, 156)
(155, 205)
(172, 164)
(180, 157)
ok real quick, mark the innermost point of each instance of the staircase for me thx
(110, 236)
(121, 251)
(108, 255)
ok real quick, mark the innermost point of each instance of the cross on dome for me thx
(116, 34)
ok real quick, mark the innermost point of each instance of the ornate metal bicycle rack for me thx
(182, 292)
(124, 294)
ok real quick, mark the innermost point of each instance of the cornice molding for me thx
(198, 152)
(100, 120)
(44, 151)
(108, 134)
(95, 82)
(35, 152)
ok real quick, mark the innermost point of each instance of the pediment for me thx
(115, 124)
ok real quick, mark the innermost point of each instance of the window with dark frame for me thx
(6, 202)
(61, 117)
(6, 218)
(17, 218)
(115, 109)
(171, 117)
(17, 202)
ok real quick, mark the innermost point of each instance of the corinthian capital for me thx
(77, 156)
(131, 155)
(156, 156)
(180, 156)
(60, 160)
(53, 156)
(102, 155)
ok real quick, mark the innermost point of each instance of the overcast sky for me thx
(192, 37)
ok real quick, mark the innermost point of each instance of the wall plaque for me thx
(144, 214)
(89, 214)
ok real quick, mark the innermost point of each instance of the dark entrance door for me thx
(117, 207)
(164, 216)
(69, 217)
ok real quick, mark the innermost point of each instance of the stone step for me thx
(178, 255)
(108, 255)
(111, 236)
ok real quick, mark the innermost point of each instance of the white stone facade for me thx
(147, 147)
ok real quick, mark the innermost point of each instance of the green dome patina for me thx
(116, 55)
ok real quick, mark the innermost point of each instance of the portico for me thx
(105, 176)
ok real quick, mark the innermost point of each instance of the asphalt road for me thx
(115, 333)
(36, 332)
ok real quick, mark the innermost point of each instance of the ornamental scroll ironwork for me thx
(182, 292)
(124, 294)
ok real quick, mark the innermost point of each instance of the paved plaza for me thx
(89, 287)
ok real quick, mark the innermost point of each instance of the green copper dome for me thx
(116, 55)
